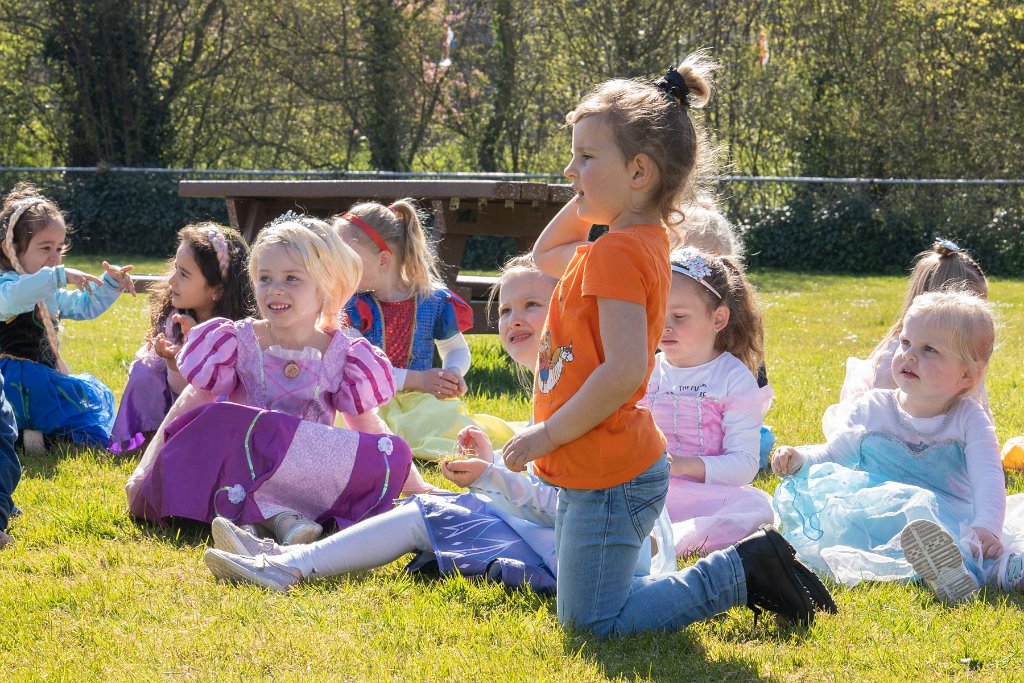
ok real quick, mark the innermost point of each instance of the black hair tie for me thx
(673, 85)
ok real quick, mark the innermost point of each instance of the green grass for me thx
(87, 594)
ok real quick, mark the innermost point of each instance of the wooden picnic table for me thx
(460, 208)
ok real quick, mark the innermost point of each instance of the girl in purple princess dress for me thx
(268, 455)
(208, 280)
(704, 397)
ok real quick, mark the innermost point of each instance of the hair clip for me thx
(689, 262)
(368, 229)
(948, 245)
(674, 86)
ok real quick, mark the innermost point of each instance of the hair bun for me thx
(944, 247)
(674, 85)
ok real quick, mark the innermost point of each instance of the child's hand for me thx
(186, 322)
(991, 546)
(464, 472)
(473, 443)
(787, 460)
(457, 375)
(526, 446)
(122, 277)
(166, 350)
(687, 466)
(81, 280)
(440, 383)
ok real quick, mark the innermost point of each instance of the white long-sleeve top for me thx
(714, 411)
(966, 423)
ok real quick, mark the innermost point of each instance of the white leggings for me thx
(373, 543)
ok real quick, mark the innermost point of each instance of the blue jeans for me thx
(598, 534)
(10, 468)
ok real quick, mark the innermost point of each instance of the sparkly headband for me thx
(290, 216)
(365, 227)
(220, 246)
(689, 262)
(674, 86)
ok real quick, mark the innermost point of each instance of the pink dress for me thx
(271, 446)
(690, 406)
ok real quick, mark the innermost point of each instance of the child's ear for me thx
(642, 171)
(720, 318)
(218, 292)
(969, 378)
(386, 257)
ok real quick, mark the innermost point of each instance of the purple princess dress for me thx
(270, 447)
(150, 392)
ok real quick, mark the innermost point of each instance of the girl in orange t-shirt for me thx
(636, 156)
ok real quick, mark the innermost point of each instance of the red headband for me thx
(365, 227)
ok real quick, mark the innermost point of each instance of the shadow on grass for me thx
(47, 465)
(178, 533)
(659, 656)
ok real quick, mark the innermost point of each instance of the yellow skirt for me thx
(431, 426)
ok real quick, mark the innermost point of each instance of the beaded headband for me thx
(689, 262)
(365, 227)
(220, 246)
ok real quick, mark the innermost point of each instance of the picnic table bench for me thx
(459, 208)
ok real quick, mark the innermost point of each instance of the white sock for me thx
(372, 543)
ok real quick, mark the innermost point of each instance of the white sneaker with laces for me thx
(935, 556)
(230, 537)
(260, 570)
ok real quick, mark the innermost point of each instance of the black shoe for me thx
(777, 581)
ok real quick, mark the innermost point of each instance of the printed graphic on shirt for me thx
(550, 363)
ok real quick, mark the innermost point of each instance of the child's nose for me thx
(570, 171)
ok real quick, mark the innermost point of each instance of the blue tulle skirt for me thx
(79, 407)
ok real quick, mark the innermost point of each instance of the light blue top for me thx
(20, 294)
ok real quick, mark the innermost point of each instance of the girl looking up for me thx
(943, 266)
(209, 279)
(704, 397)
(269, 456)
(636, 155)
(47, 401)
(911, 484)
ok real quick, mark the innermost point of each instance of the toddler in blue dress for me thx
(911, 483)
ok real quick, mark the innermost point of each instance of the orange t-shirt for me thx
(631, 264)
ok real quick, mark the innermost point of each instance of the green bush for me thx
(872, 229)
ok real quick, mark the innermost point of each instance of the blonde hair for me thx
(332, 265)
(967, 323)
(25, 213)
(644, 119)
(707, 229)
(743, 335)
(401, 227)
(944, 266)
(517, 266)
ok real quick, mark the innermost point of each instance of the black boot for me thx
(777, 581)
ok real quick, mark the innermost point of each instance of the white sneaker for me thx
(261, 570)
(230, 537)
(291, 528)
(935, 556)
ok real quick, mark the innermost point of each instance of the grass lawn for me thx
(87, 594)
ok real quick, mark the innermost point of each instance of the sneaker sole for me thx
(306, 534)
(224, 538)
(934, 555)
(226, 570)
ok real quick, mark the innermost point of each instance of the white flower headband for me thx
(689, 262)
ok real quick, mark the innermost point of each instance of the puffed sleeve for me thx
(366, 380)
(456, 316)
(207, 360)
